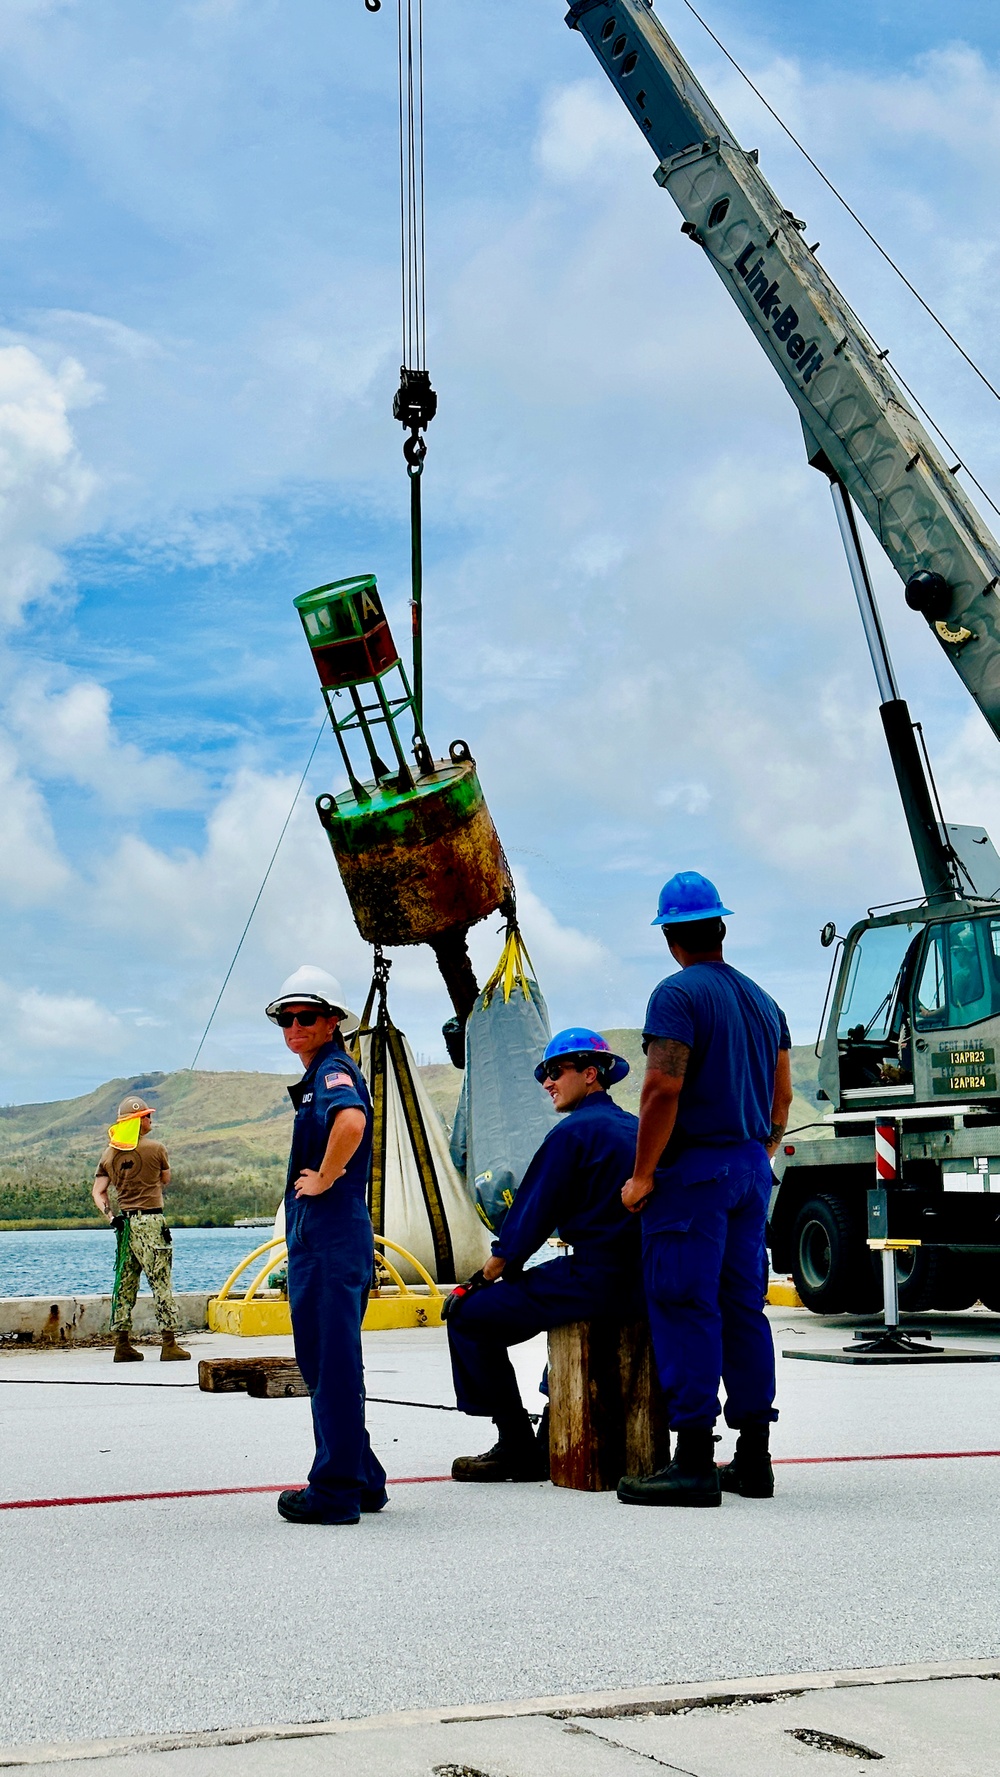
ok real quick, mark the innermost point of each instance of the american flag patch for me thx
(337, 1080)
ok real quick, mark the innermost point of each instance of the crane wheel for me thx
(831, 1263)
(930, 1278)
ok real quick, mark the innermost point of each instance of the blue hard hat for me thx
(581, 1041)
(686, 897)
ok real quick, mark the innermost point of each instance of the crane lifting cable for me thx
(415, 402)
(416, 847)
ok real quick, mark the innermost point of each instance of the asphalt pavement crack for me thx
(572, 1727)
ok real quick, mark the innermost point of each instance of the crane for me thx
(914, 998)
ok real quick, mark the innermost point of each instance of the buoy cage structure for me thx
(415, 843)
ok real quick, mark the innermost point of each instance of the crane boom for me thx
(858, 425)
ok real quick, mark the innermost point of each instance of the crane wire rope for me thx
(412, 238)
(415, 403)
(260, 891)
(900, 273)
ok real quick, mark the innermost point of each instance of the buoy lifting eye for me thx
(459, 752)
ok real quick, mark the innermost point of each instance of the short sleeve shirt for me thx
(135, 1173)
(331, 1083)
(734, 1031)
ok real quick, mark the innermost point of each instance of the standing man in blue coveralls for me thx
(573, 1184)
(331, 1252)
(714, 1106)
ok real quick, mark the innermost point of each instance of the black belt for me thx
(143, 1212)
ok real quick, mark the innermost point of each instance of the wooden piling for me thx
(606, 1413)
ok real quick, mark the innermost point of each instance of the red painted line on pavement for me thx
(898, 1456)
(111, 1499)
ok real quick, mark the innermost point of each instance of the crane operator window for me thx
(958, 982)
(872, 1033)
(870, 1000)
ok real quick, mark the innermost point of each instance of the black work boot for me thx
(692, 1479)
(514, 1457)
(125, 1351)
(750, 1472)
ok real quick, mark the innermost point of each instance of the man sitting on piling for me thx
(573, 1185)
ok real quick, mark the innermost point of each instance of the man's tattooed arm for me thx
(781, 1102)
(666, 1065)
(665, 1056)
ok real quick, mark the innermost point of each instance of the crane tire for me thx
(831, 1264)
(936, 1278)
(988, 1281)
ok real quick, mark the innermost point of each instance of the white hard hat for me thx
(310, 986)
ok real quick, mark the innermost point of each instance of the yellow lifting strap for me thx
(515, 969)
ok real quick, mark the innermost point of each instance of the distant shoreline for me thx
(81, 1225)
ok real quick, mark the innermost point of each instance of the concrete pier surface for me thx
(172, 1616)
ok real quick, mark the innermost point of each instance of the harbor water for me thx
(81, 1261)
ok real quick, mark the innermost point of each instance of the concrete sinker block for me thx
(79, 1320)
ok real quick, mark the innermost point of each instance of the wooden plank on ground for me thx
(265, 1378)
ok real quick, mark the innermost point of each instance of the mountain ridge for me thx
(227, 1135)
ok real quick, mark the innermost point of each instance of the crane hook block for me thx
(415, 403)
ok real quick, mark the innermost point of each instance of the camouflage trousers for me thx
(144, 1246)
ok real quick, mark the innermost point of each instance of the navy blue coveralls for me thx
(330, 1263)
(704, 1258)
(573, 1183)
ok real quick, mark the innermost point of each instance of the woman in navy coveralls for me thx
(330, 1251)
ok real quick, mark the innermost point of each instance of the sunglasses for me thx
(557, 1066)
(307, 1019)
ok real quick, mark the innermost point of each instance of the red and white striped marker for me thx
(886, 1153)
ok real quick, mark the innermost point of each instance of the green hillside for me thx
(227, 1136)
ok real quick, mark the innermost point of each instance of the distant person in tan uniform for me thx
(138, 1176)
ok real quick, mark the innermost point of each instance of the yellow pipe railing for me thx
(275, 1257)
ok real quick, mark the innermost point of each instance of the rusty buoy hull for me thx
(420, 862)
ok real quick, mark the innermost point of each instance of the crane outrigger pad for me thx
(886, 1350)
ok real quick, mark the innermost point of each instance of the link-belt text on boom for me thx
(765, 292)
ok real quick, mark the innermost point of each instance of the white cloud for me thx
(32, 870)
(44, 485)
(43, 1022)
(68, 734)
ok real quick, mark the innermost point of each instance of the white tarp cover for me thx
(503, 1114)
(406, 1215)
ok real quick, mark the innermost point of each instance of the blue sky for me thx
(637, 612)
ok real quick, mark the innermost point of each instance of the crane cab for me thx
(913, 1034)
(915, 1019)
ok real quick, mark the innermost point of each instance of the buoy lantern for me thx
(346, 629)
